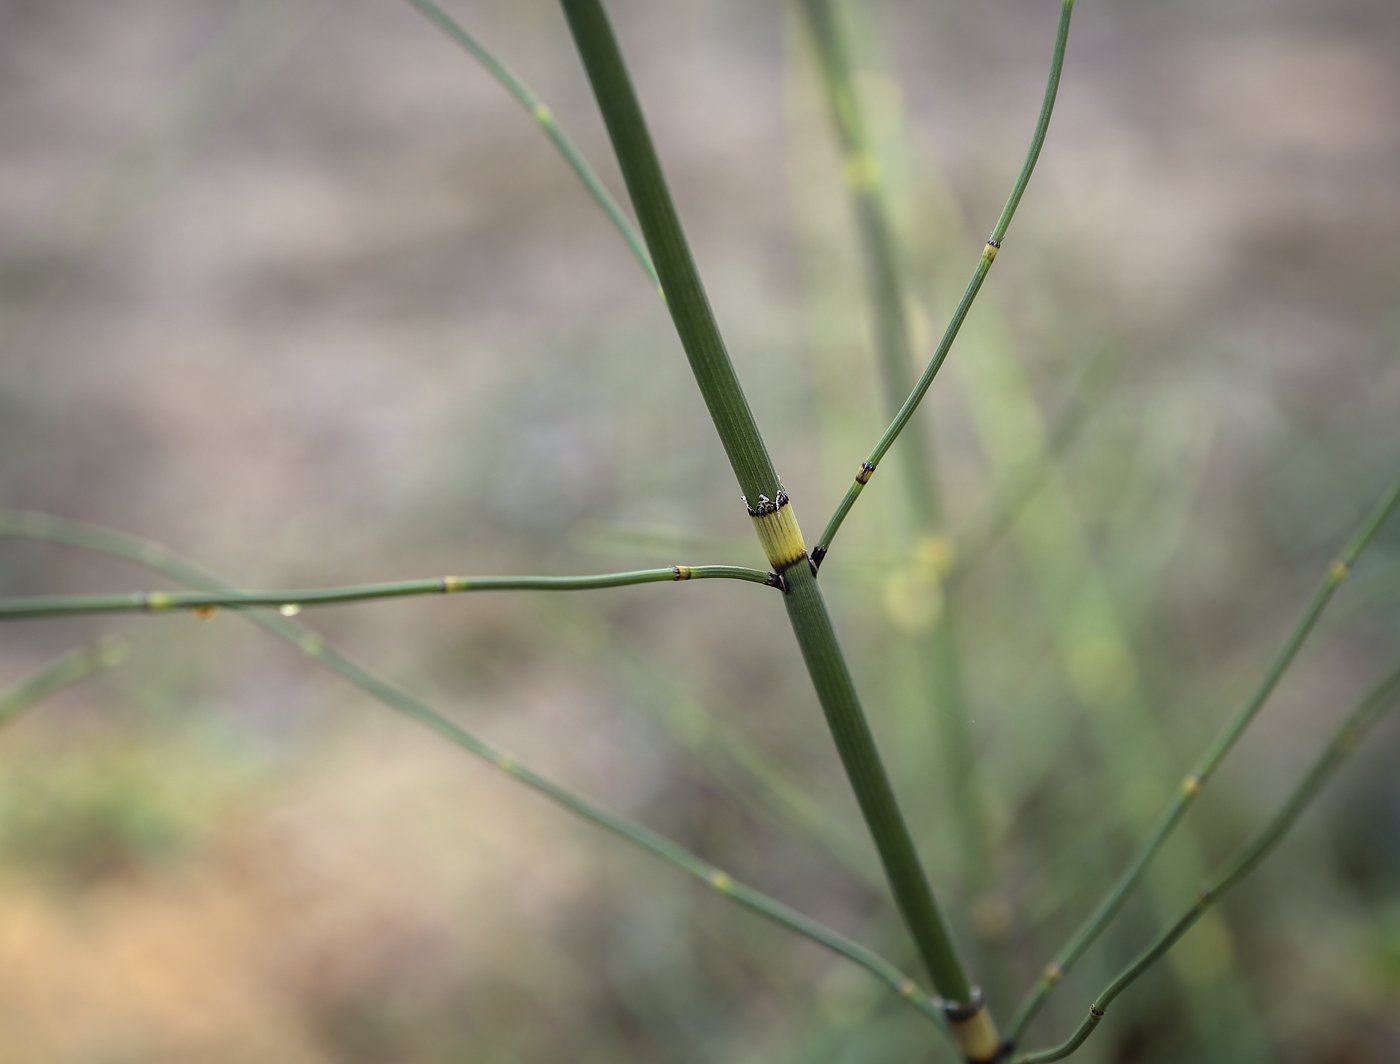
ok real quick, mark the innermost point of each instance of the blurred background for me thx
(297, 290)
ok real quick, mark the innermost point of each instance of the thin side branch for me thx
(984, 265)
(292, 602)
(1205, 768)
(544, 118)
(1380, 699)
(155, 556)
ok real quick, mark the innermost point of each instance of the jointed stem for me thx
(768, 503)
(1205, 768)
(159, 558)
(1380, 698)
(984, 265)
(293, 601)
(544, 117)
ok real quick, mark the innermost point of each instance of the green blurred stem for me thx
(77, 664)
(887, 302)
(984, 265)
(748, 455)
(545, 119)
(1380, 699)
(292, 601)
(1205, 767)
(159, 558)
(1010, 498)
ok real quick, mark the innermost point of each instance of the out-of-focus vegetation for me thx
(296, 289)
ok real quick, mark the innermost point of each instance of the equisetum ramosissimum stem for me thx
(1382, 696)
(768, 504)
(1201, 773)
(984, 265)
(155, 556)
(543, 116)
(290, 602)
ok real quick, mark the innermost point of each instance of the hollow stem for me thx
(544, 118)
(772, 513)
(984, 265)
(1203, 770)
(293, 601)
(1254, 851)
(159, 558)
(75, 665)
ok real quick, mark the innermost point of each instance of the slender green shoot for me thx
(544, 118)
(155, 556)
(984, 265)
(77, 664)
(772, 513)
(292, 602)
(886, 294)
(1380, 699)
(1198, 777)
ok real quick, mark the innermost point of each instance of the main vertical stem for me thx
(812, 624)
(772, 513)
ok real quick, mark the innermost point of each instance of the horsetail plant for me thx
(956, 1004)
(888, 310)
(156, 556)
(1381, 698)
(1197, 778)
(775, 523)
(979, 274)
(291, 603)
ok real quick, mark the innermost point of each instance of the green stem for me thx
(1010, 498)
(774, 520)
(76, 664)
(812, 624)
(544, 118)
(887, 303)
(1205, 768)
(680, 281)
(293, 601)
(155, 556)
(1380, 698)
(984, 265)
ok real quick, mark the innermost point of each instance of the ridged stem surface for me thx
(748, 455)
